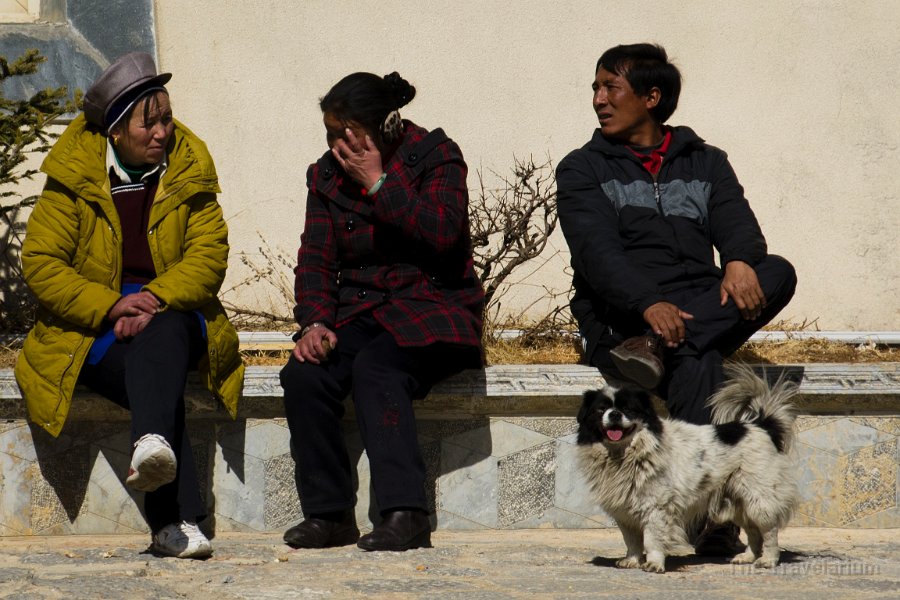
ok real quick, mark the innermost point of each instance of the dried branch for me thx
(511, 226)
(270, 269)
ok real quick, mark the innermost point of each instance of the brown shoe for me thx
(639, 359)
(316, 532)
(400, 530)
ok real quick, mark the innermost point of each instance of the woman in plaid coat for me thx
(388, 303)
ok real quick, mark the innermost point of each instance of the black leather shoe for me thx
(400, 530)
(315, 532)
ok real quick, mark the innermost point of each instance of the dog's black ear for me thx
(642, 401)
(646, 400)
(587, 404)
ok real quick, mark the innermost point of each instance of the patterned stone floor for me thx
(483, 472)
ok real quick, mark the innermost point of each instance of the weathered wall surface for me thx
(801, 93)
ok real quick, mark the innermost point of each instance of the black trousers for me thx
(383, 379)
(694, 370)
(147, 375)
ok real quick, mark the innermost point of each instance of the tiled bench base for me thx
(499, 447)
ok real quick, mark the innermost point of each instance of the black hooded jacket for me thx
(633, 237)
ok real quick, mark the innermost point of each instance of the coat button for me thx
(351, 225)
(413, 157)
(328, 172)
(361, 294)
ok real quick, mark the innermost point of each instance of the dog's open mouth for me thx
(617, 434)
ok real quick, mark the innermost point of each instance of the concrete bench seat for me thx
(499, 445)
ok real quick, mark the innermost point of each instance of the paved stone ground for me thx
(818, 564)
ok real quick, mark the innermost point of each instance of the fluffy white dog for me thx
(657, 476)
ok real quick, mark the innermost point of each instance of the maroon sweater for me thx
(133, 201)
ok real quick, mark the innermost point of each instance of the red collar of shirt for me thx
(652, 161)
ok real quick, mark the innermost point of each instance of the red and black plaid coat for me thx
(405, 254)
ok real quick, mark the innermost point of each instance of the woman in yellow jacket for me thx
(126, 250)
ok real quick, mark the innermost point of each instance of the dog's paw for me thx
(765, 563)
(654, 567)
(629, 562)
(744, 558)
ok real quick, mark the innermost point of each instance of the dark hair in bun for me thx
(402, 90)
(367, 98)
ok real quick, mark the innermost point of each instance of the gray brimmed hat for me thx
(119, 86)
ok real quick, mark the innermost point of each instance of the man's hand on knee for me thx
(667, 320)
(742, 285)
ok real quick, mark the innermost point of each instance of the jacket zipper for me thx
(657, 197)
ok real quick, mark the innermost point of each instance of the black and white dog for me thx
(657, 476)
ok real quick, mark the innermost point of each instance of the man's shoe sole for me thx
(636, 369)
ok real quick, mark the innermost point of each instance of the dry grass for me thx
(265, 357)
(815, 350)
(554, 350)
(8, 356)
(565, 349)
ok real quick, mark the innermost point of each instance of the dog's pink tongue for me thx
(614, 434)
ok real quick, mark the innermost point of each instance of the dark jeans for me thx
(147, 375)
(383, 378)
(694, 370)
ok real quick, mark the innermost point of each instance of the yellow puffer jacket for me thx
(72, 261)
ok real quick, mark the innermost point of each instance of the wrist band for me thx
(377, 186)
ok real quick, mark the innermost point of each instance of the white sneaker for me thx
(181, 540)
(152, 464)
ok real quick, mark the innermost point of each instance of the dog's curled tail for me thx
(748, 398)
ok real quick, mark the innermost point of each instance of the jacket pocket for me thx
(50, 351)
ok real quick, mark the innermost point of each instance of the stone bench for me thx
(499, 446)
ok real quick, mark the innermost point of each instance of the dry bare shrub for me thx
(271, 273)
(511, 224)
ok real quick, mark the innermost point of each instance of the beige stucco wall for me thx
(801, 93)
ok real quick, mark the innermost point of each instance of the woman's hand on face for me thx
(133, 305)
(360, 159)
(128, 327)
(315, 346)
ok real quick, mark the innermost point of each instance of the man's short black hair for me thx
(646, 66)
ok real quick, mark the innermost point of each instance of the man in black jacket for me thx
(642, 206)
